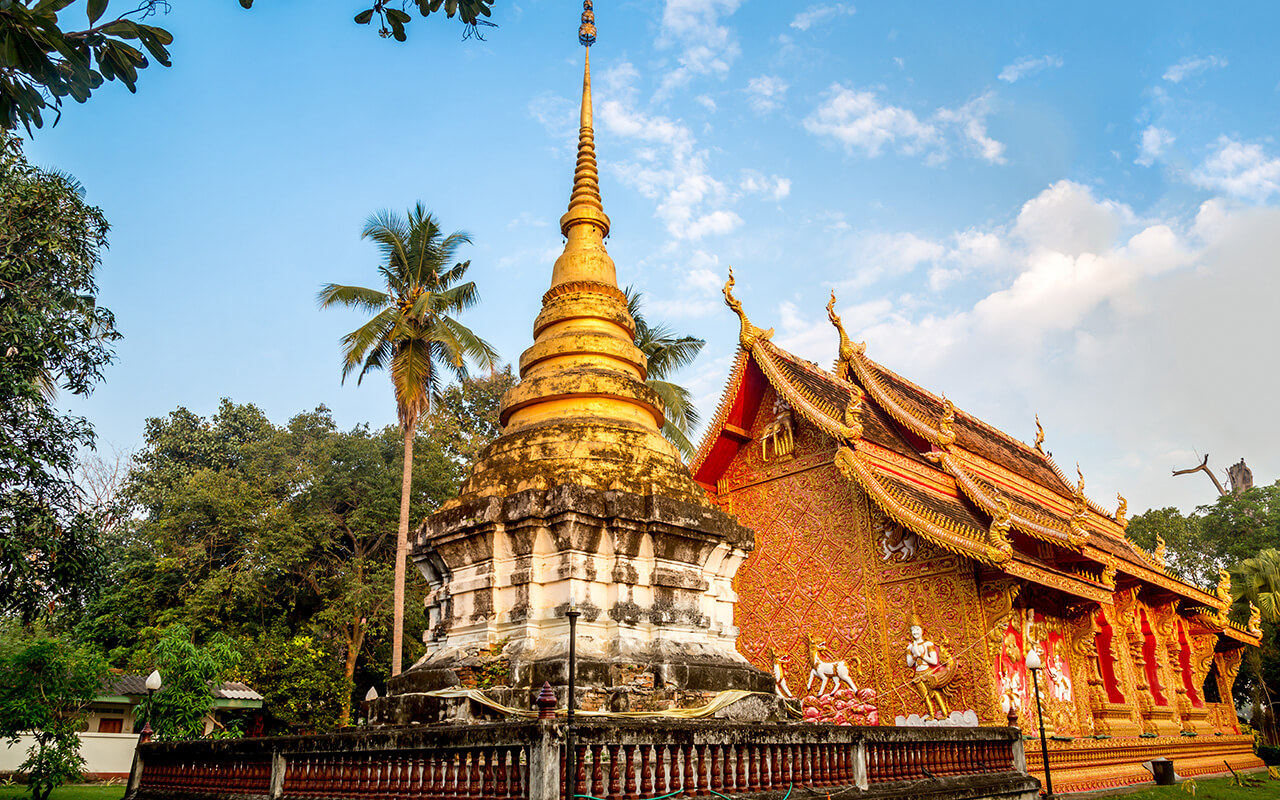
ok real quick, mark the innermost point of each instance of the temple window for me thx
(1149, 657)
(1106, 661)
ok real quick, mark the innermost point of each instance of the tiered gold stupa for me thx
(580, 500)
(582, 413)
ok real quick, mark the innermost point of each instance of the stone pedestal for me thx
(650, 576)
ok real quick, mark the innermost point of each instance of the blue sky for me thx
(1068, 210)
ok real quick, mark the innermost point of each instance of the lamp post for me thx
(153, 684)
(571, 780)
(1035, 665)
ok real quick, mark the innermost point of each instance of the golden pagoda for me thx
(580, 502)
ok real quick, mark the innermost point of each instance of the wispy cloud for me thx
(861, 121)
(816, 14)
(1240, 169)
(706, 46)
(1028, 65)
(1193, 65)
(1155, 142)
(765, 93)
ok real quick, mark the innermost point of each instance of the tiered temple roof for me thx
(941, 472)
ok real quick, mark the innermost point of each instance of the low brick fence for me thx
(616, 760)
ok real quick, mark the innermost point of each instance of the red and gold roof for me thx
(941, 472)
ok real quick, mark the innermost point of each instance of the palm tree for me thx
(412, 335)
(1257, 580)
(667, 353)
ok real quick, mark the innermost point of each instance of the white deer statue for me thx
(826, 670)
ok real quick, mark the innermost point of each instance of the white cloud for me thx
(1122, 331)
(1155, 142)
(1240, 169)
(1028, 66)
(1193, 65)
(706, 102)
(706, 47)
(816, 14)
(773, 187)
(698, 294)
(765, 93)
(971, 120)
(860, 121)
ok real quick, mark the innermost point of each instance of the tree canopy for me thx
(53, 337)
(45, 56)
(280, 538)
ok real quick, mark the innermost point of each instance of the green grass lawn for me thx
(1207, 789)
(68, 793)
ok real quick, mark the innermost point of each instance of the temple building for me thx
(907, 550)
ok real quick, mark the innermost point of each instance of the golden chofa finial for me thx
(749, 334)
(1121, 511)
(1039, 435)
(848, 348)
(1161, 552)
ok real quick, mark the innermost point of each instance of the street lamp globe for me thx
(1033, 659)
(153, 681)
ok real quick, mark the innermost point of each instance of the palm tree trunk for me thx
(402, 550)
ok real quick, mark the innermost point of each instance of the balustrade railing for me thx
(614, 761)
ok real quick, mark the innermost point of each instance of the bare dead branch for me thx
(1204, 467)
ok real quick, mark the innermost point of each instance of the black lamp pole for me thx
(571, 781)
(1044, 745)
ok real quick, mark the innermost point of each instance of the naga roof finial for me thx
(749, 334)
(1039, 435)
(1121, 511)
(848, 348)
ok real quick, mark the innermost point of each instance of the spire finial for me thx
(587, 30)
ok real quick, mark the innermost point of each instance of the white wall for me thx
(104, 753)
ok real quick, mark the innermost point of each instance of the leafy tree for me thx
(667, 353)
(413, 335)
(45, 686)
(41, 63)
(465, 420)
(43, 59)
(189, 672)
(301, 681)
(52, 335)
(267, 533)
(1186, 557)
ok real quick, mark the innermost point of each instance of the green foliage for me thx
(44, 58)
(301, 681)
(1187, 559)
(465, 420)
(667, 353)
(41, 63)
(1240, 533)
(413, 334)
(45, 686)
(266, 533)
(52, 335)
(189, 672)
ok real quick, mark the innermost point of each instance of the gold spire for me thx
(582, 413)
